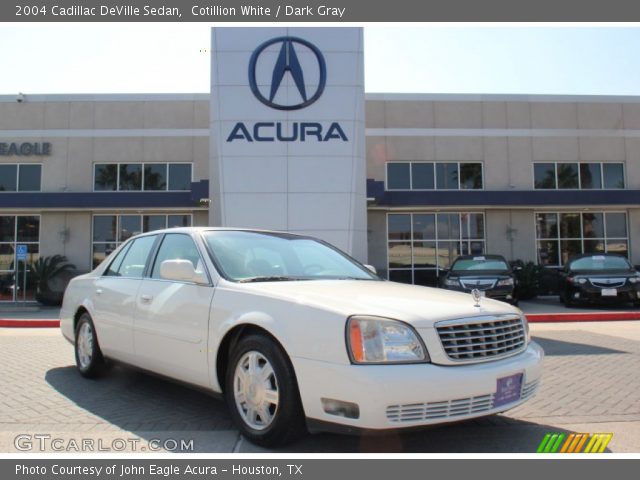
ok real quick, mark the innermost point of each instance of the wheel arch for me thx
(231, 338)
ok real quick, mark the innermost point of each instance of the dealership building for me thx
(287, 139)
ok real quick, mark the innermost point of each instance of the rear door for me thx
(172, 318)
(114, 301)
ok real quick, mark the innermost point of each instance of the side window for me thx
(176, 246)
(113, 269)
(135, 259)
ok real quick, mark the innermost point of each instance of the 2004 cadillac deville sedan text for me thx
(297, 335)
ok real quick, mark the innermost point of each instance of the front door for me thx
(172, 318)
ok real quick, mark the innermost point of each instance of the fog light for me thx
(340, 408)
(576, 295)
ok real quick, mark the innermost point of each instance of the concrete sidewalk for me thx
(29, 316)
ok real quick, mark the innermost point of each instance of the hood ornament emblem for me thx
(475, 293)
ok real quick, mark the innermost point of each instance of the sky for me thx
(161, 58)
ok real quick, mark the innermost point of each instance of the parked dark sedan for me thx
(490, 274)
(601, 278)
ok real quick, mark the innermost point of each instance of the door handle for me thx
(145, 298)
(98, 291)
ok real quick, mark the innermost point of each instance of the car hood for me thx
(420, 306)
(604, 273)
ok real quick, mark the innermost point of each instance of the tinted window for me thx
(155, 176)
(613, 175)
(616, 224)
(422, 176)
(135, 259)
(590, 176)
(544, 175)
(567, 175)
(424, 226)
(398, 176)
(129, 226)
(7, 228)
(153, 222)
(399, 227)
(174, 221)
(28, 229)
(8, 178)
(29, 178)
(106, 177)
(470, 176)
(547, 225)
(592, 225)
(480, 263)
(131, 176)
(104, 228)
(600, 262)
(180, 176)
(176, 247)
(447, 176)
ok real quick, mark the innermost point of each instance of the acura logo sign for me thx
(287, 62)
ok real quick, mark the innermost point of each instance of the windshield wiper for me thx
(267, 278)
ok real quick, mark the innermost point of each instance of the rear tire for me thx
(262, 393)
(89, 359)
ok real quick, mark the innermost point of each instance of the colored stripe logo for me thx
(574, 443)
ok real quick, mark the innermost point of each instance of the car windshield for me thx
(600, 262)
(479, 263)
(263, 256)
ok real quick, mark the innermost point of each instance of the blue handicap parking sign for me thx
(21, 252)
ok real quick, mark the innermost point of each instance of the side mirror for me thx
(372, 269)
(181, 271)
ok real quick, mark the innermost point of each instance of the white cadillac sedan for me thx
(297, 335)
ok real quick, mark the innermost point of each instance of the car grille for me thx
(473, 340)
(480, 284)
(608, 282)
(414, 412)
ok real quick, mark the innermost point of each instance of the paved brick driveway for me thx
(591, 384)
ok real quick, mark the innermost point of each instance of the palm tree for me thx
(45, 269)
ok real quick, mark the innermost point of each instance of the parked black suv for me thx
(599, 278)
(490, 274)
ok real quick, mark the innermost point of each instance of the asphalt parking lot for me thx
(591, 385)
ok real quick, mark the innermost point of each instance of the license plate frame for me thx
(508, 389)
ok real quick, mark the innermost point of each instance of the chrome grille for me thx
(415, 412)
(485, 338)
(608, 282)
(480, 284)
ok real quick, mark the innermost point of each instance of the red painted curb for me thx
(18, 323)
(582, 317)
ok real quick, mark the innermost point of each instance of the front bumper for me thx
(383, 392)
(591, 294)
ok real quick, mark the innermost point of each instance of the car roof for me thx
(191, 230)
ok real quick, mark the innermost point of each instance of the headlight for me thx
(580, 280)
(634, 279)
(451, 282)
(381, 340)
(507, 282)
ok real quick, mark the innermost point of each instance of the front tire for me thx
(89, 359)
(262, 393)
